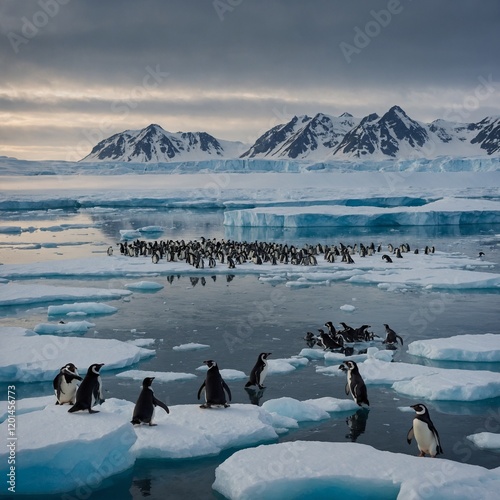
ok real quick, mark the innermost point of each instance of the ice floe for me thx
(144, 286)
(190, 346)
(473, 348)
(486, 440)
(19, 294)
(81, 308)
(70, 328)
(306, 469)
(28, 357)
(158, 376)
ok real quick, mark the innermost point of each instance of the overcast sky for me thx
(74, 72)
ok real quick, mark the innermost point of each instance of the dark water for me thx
(239, 316)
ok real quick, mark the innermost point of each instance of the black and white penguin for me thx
(90, 391)
(144, 410)
(214, 387)
(109, 251)
(391, 336)
(355, 384)
(259, 371)
(386, 258)
(66, 383)
(425, 433)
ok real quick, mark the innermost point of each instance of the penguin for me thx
(109, 251)
(391, 337)
(66, 383)
(145, 405)
(425, 433)
(386, 258)
(259, 371)
(355, 384)
(90, 391)
(214, 387)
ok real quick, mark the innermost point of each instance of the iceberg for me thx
(70, 328)
(191, 346)
(81, 308)
(486, 440)
(305, 469)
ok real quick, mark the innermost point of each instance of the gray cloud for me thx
(301, 57)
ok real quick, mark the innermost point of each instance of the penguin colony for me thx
(211, 252)
(217, 393)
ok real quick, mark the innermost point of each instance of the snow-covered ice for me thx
(486, 440)
(159, 376)
(190, 346)
(28, 357)
(473, 348)
(311, 469)
(16, 293)
(81, 308)
(69, 328)
(144, 286)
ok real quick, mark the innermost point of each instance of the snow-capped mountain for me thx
(393, 135)
(154, 144)
(303, 137)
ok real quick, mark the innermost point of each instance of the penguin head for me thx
(94, 369)
(351, 366)
(420, 409)
(210, 363)
(265, 355)
(69, 368)
(147, 382)
(343, 367)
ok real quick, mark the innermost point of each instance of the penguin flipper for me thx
(400, 339)
(249, 384)
(55, 383)
(228, 391)
(161, 404)
(200, 389)
(434, 431)
(409, 436)
(76, 407)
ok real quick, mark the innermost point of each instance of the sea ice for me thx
(473, 348)
(191, 346)
(70, 328)
(305, 469)
(144, 285)
(19, 294)
(35, 358)
(87, 308)
(159, 376)
(486, 440)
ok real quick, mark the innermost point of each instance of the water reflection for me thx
(255, 395)
(357, 424)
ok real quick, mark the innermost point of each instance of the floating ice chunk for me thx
(310, 353)
(293, 408)
(59, 450)
(129, 234)
(39, 357)
(159, 376)
(191, 346)
(230, 374)
(18, 294)
(307, 470)
(151, 229)
(486, 440)
(347, 307)
(89, 308)
(285, 365)
(70, 328)
(474, 348)
(10, 229)
(144, 285)
(142, 342)
(452, 385)
(330, 404)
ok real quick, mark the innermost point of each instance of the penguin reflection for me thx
(144, 486)
(255, 395)
(357, 423)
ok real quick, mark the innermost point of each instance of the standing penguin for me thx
(90, 391)
(425, 433)
(259, 371)
(214, 386)
(355, 384)
(391, 337)
(145, 406)
(66, 383)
